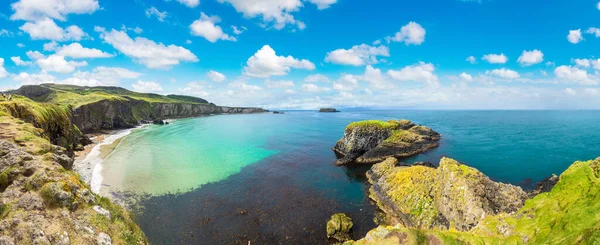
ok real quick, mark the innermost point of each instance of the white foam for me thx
(96, 162)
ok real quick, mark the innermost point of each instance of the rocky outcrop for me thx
(453, 196)
(328, 110)
(370, 142)
(339, 227)
(114, 114)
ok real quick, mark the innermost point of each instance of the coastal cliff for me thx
(42, 201)
(99, 108)
(370, 142)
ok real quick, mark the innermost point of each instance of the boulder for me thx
(545, 185)
(453, 196)
(370, 142)
(339, 227)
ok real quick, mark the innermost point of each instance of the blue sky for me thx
(305, 54)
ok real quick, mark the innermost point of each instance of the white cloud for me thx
(529, 58)
(279, 84)
(277, 13)
(375, 78)
(46, 29)
(504, 73)
(101, 76)
(17, 60)
(32, 10)
(31, 79)
(471, 59)
(289, 91)
(35, 55)
(188, 41)
(412, 33)
(495, 58)
(598, 5)
(358, 55)
(190, 3)
(153, 11)
(594, 31)
(76, 51)
(216, 76)
(346, 83)
(323, 4)
(51, 46)
(5, 33)
(317, 78)
(148, 52)
(466, 77)
(244, 87)
(575, 36)
(421, 72)
(586, 63)
(20, 45)
(238, 30)
(311, 88)
(195, 89)
(57, 63)
(570, 91)
(3, 72)
(574, 74)
(145, 87)
(205, 27)
(265, 63)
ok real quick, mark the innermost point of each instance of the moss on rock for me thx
(339, 227)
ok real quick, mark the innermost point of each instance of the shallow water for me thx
(270, 178)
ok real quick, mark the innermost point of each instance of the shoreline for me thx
(88, 163)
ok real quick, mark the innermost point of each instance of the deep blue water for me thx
(287, 196)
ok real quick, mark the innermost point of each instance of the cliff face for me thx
(113, 114)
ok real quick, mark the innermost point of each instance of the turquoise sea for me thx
(268, 178)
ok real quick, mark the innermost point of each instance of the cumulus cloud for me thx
(495, 58)
(471, 59)
(195, 89)
(529, 58)
(148, 52)
(5, 33)
(504, 73)
(205, 27)
(57, 63)
(35, 55)
(346, 83)
(153, 11)
(145, 87)
(466, 77)
(412, 33)
(265, 63)
(317, 78)
(574, 74)
(19, 62)
(238, 30)
(570, 91)
(34, 10)
(76, 51)
(32, 79)
(594, 31)
(587, 63)
(277, 13)
(421, 72)
(283, 84)
(189, 3)
(3, 72)
(46, 29)
(216, 76)
(323, 4)
(101, 76)
(575, 36)
(358, 55)
(375, 78)
(311, 88)
(51, 46)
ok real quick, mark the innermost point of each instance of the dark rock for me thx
(545, 185)
(278, 112)
(328, 110)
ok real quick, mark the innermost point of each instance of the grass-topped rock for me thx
(339, 227)
(370, 142)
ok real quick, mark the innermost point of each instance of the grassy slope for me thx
(569, 214)
(77, 96)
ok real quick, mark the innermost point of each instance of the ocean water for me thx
(270, 179)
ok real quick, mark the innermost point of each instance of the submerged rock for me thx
(328, 110)
(370, 142)
(453, 196)
(339, 226)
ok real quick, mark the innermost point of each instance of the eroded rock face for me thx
(370, 142)
(339, 227)
(451, 196)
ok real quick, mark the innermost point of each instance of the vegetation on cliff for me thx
(370, 142)
(565, 215)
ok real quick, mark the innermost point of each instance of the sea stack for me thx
(370, 142)
(328, 110)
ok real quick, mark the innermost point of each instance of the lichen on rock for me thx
(370, 142)
(339, 227)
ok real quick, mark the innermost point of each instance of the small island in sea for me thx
(328, 110)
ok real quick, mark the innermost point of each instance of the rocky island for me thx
(457, 204)
(42, 200)
(370, 142)
(328, 110)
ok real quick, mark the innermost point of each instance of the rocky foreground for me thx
(457, 204)
(370, 142)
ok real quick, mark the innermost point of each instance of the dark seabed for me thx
(288, 195)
